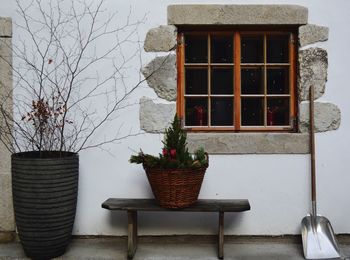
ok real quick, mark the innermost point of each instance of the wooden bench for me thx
(134, 205)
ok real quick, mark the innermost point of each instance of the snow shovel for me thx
(319, 241)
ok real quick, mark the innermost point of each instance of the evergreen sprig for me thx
(175, 153)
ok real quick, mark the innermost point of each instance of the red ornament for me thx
(165, 152)
(173, 153)
(199, 115)
(271, 114)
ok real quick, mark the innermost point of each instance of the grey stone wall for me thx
(237, 14)
(313, 64)
(311, 33)
(312, 70)
(250, 143)
(155, 117)
(5, 27)
(7, 223)
(162, 38)
(160, 74)
(327, 117)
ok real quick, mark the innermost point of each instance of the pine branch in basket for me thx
(175, 153)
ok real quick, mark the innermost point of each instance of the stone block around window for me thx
(203, 79)
(250, 143)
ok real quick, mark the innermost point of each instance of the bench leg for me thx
(132, 233)
(221, 235)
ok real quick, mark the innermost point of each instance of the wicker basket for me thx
(175, 188)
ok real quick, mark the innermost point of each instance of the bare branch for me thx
(71, 64)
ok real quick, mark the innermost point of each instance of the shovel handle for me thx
(312, 146)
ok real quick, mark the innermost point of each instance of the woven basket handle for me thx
(207, 157)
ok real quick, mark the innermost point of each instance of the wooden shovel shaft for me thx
(312, 147)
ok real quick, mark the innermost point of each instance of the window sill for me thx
(250, 143)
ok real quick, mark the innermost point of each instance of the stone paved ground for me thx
(175, 249)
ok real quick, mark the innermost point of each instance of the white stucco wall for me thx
(276, 185)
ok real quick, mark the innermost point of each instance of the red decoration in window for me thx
(271, 114)
(199, 115)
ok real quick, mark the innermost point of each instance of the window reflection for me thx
(277, 111)
(196, 81)
(221, 111)
(196, 111)
(277, 81)
(252, 49)
(196, 49)
(222, 80)
(252, 111)
(277, 49)
(221, 49)
(252, 81)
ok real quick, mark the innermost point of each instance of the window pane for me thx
(196, 112)
(221, 49)
(277, 81)
(196, 49)
(222, 80)
(277, 49)
(252, 81)
(221, 111)
(252, 112)
(196, 81)
(252, 49)
(278, 111)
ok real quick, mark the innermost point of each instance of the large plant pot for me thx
(45, 197)
(175, 188)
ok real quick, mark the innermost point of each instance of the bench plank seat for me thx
(210, 205)
(200, 206)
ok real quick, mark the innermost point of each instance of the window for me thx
(236, 80)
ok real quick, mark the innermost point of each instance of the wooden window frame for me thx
(180, 53)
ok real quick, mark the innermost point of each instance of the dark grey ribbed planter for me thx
(45, 197)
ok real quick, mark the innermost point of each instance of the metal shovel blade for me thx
(318, 238)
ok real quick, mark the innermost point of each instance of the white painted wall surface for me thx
(276, 185)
